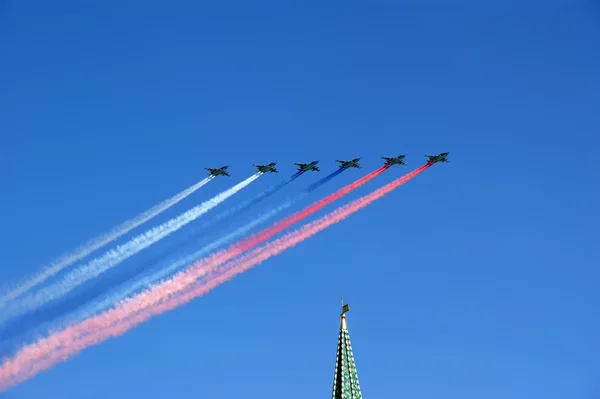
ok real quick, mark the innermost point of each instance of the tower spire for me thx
(345, 380)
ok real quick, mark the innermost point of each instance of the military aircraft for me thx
(443, 157)
(305, 167)
(399, 160)
(222, 171)
(349, 164)
(267, 168)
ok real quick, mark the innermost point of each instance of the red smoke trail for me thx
(167, 288)
(179, 282)
(277, 227)
(36, 357)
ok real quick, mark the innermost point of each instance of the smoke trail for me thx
(229, 237)
(237, 249)
(324, 180)
(119, 254)
(247, 204)
(162, 273)
(96, 243)
(267, 193)
(38, 321)
(62, 345)
(277, 227)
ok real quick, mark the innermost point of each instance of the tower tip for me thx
(345, 309)
(345, 382)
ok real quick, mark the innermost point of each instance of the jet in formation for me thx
(267, 168)
(443, 157)
(222, 171)
(312, 166)
(305, 167)
(349, 164)
(399, 160)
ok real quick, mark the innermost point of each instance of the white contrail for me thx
(119, 254)
(162, 273)
(96, 243)
(125, 290)
(165, 272)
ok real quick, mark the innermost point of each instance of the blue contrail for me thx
(324, 180)
(114, 257)
(164, 272)
(247, 204)
(43, 316)
(97, 243)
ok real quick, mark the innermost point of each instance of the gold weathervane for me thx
(345, 309)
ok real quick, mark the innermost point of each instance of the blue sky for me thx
(475, 279)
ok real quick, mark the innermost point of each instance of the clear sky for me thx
(477, 279)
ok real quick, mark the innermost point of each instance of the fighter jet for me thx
(399, 160)
(305, 167)
(266, 168)
(222, 171)
(443, 157)
(349, 164)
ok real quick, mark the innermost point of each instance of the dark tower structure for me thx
(345, 380)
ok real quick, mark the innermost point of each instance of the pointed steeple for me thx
(345, 380)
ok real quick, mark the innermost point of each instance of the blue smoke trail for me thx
(40, 318)
(28, 326)
(48, 312)
(163, 272)
(324, 180)
(245, 205)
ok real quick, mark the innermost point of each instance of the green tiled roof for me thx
(345, 381)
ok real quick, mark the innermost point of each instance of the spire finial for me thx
(345, 309)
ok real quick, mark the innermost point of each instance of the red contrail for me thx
(185, 278)
(63, 345)
(180, 281)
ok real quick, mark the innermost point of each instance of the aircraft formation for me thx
(312, 166)
(122, 304)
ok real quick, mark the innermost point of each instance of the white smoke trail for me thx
(119, 254)
(96, 243)
(162, 273)
(180, 263)
(131, 288)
